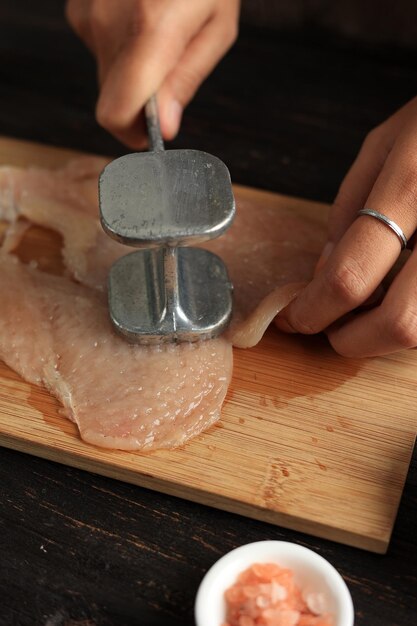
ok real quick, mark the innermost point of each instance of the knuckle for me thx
(378, 142)
(371, 138)
(374, 136)
(402, 328)
(87, 19)
(347, 283)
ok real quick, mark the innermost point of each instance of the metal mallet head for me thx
(162, 201)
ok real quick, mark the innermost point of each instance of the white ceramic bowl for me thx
(312, 573)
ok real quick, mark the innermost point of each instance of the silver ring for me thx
(386, 220)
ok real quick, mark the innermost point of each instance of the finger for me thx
(139, 70)
(356, 187)
(352, 273)
(388, 328)
(199, 59)
(366, 252)
(362, 175)
(359, 181)
(131, 80)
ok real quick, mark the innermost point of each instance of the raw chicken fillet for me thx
(54, 330)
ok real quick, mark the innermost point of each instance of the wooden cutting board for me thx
(307, 440)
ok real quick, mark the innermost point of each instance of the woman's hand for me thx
(362, 250)
(144, 47)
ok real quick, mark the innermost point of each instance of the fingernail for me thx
(326, 252)
(174, 114)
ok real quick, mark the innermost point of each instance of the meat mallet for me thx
(163, 202)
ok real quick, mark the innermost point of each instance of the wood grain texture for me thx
(307, 440)
(79, 547)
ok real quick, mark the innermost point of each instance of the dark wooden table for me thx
(285, 111)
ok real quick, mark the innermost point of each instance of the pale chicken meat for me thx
(270, 255)
(124, 396)
(56, 333)
(64, 200)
